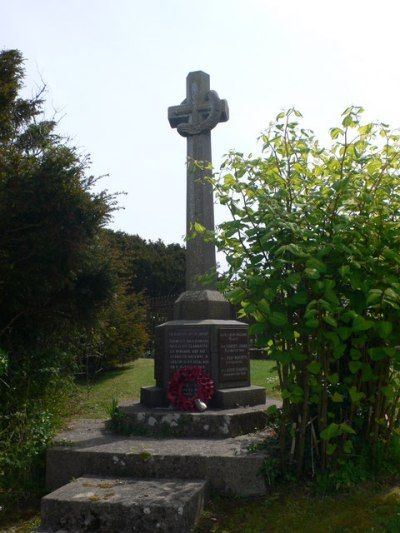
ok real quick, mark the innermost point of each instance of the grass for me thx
(372, 507)
(94, 400)
(26, 522)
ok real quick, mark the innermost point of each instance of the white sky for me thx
(113, 67)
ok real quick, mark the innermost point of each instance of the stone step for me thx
(111, 505)
(134, 418)
(88, 448)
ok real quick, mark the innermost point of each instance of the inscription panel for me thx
(188, 346)
(233, 350)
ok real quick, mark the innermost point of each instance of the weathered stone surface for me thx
(111, 505)
(153, 397)
(213, 423)
(201, 305)
(251, 396)
(236, 397)
(89, 449)
(194, 119)
(220, 347)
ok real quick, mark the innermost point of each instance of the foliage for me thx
(313, 254)
(118, 336)
(51, 267)
(54, 275)
(154, 268)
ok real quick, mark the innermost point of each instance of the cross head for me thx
(201, 110)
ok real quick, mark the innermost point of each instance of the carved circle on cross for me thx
(207, 124)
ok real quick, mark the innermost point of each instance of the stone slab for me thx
(212, 423)
(237, 397)
(88, 448)
(119, 505)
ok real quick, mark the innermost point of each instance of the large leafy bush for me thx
(314, 261)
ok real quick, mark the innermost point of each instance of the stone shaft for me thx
(194, 119)
(200, 255)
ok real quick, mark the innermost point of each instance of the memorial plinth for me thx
(202, 333)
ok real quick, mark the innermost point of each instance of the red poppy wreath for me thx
(187, 385)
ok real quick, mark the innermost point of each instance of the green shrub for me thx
(54, 275)
(314, 261)
(31, 410)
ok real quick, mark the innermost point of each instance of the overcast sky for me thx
(113, 67)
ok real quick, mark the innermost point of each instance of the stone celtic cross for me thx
(194, 119)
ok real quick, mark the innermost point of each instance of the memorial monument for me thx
(202, 333)
(120, 475)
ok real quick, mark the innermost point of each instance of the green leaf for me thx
(378, 353)
(348, 446)
(361, 324)
(367, 373)
(355, 354)
(374, 296)
(264, 306)
(390, 297)
(272, 410)
(330, 432)
(388, 391)
(355, 366)
(374, 165)
(345, 428)
(337, 398)
(311, 273)
(316, 264)
(199, 228)
(330, 320)
(333, 379)
(336, 132)
(236, 295)
(229, 180)
(330, 449)
(384, 329)
(293, 249)
(344, 333)
(300, 298)
(257, 328)
(347, 316)
(312, 324)
(277, 319)
(257, 316)
(282, 357)
(338, 351)
(356, 396)
(314, 367)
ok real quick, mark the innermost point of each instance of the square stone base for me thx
(222, 399)
(238, 397)
(153, 397)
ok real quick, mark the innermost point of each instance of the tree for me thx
(50, 266)
(54, 276)
(313, 251)
(154, 268)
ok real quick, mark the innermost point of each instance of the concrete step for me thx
(111, 505)
(136, 419)
(88, 448)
